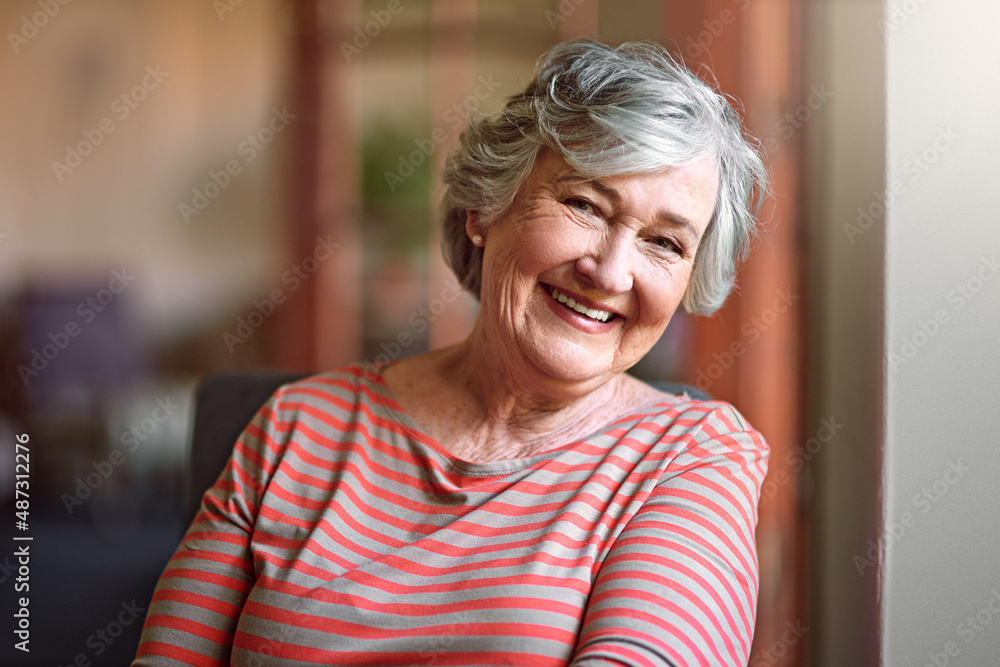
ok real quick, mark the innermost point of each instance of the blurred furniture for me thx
(225, 404)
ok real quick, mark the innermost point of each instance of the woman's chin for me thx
(569, 363)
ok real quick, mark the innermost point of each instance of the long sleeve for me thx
(200, 595)
(340, 534)
(679, 587)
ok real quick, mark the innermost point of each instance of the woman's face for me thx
(622, 247)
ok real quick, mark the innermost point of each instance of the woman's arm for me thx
(680, 585)
(200, 595)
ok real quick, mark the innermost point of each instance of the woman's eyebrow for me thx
(679, 221)
(664, 215)
(672, 218)
(571, 176)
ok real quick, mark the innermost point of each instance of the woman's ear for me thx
(472, 223)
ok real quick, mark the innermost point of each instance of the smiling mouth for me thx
(569, 302)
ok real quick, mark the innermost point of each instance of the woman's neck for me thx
(483, 407)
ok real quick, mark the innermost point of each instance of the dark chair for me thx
(225, 404)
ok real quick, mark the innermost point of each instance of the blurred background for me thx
(188, 187)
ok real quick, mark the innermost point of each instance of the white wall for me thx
(846, 153)
(942, 442)
(905, 308)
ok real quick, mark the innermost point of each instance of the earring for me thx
(477, 240)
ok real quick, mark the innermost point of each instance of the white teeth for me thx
(599, 315)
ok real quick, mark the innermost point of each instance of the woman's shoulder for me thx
(322, 406)
(354, 383)
(656, 399)
(683, 417)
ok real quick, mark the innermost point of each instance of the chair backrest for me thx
(225, 404)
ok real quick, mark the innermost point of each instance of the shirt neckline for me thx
(372, 373)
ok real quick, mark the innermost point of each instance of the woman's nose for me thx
(608, 267)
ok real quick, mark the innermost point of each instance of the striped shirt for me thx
(340, 534)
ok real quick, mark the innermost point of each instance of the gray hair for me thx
(609, 111)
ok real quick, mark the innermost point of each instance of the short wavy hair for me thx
(609, 111)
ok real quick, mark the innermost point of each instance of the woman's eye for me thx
(582, 205)
(667, 244)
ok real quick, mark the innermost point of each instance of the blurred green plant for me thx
(395, 207)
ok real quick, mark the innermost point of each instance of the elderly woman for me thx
(516, 499)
